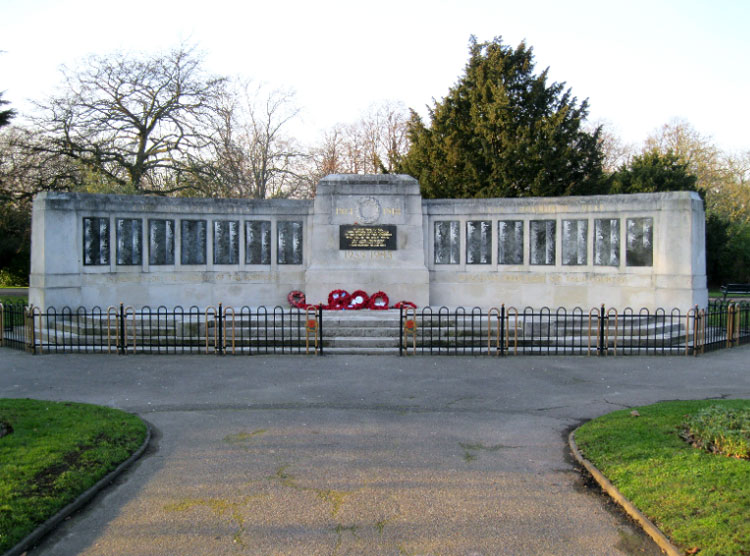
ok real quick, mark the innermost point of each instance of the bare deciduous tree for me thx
(702, 157)
(133, 120)
(252, 154)
(615, 153)
(372, 145)
(29, 165)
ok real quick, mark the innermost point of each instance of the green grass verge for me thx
(56, 451)
(700, 500)
(716, 294)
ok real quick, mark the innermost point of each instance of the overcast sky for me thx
(640, 63)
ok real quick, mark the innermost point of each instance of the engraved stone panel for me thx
(510, 242)
(226, 242)
(478, 242)
(129, 241)
(96, 241)
(542, 241)
(607, 242)
(447, 238)
(193, 242)
(639, 250)
(574, 241)
(380, 238)
(160, 242)
(258, 242)
(368, 210)
(289, 236)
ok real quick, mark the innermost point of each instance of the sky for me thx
(639, 63)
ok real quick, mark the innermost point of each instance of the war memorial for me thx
(370, 233)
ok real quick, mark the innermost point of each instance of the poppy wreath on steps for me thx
(405, 305)
(296, 299)
(358, 300)
(378, 301)
(338, 300)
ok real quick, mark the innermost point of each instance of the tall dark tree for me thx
(504, 131)
(5, 115)
(652, 172)
(14, 225)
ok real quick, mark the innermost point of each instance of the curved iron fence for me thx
(440, 331)
(126, 330)
(599, 331)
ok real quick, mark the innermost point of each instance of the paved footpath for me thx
(346, 455)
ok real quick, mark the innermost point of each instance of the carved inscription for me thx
(348, 211)
(546, 278)
(367, 237)
(369, 255)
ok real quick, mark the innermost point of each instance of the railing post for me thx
(502, 329)
(123, 335)
(400, 330)
(220, 341)
(320, 327)
(602, 324)
(30, 329)
(730, 324)
(696, 331)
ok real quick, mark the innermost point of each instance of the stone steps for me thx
(361, 332)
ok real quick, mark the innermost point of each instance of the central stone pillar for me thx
(367, 234)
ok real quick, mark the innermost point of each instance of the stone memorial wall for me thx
(372, 233)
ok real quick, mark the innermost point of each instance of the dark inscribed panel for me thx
(447, 242)
(226, 242)
(258, 242)
(96, 241)
(160, 242)
(574, 242)
(478, 242)
(542, 241)
(289, 236)
(129, 241)
(193, 241)
(639, 249)
(510, 242)
(607, 242)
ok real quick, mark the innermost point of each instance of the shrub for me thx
(721, 430)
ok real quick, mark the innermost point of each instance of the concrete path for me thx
(346, 455)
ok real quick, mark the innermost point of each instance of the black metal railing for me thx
(124, 330)
(599, 331)
(440, 331)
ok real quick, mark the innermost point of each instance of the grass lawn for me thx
(56, 450)
(13, 299)
(716, 294)
(700, 500)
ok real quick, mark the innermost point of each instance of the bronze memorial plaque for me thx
(367, 237)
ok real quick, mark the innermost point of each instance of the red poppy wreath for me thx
(358, 300)
(338, 300)
(296, 299)
(378, 301)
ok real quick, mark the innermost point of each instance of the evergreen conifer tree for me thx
(5, 115)
(503, 131)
